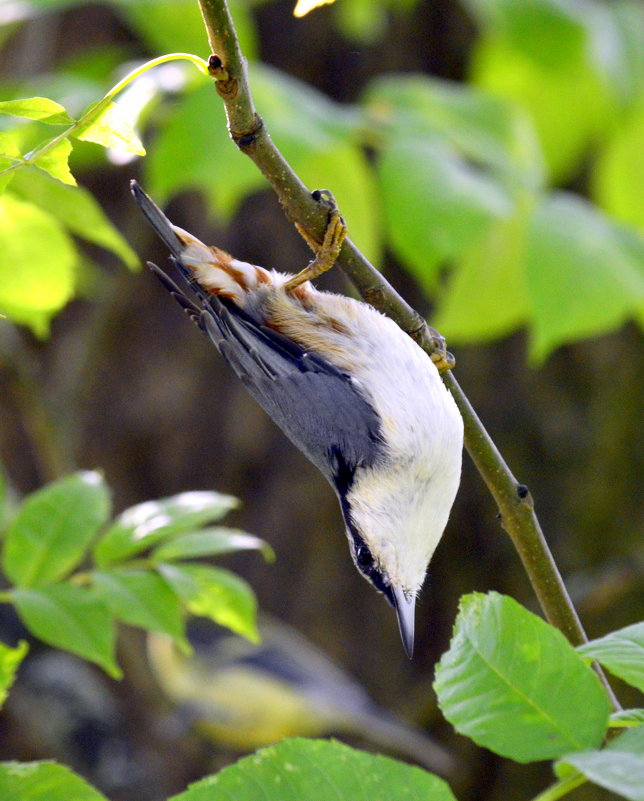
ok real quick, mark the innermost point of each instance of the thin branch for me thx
(249, 133)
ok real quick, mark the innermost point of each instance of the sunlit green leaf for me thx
(344, 169)
(9, 155)
(53, 528)
(297, 113)
(43, 781)
(77, 209)
(71, 618)
(37, 267)
(486, 295)
(316, 136)
(618, 174)
(627, 717)
(37, 108)
(485, 129)
(216, 594)
(436, 204)
(145, 524)
(211, 542)
(170, 26)
(582, 278)
(548, 31)
(622, 652)
(55, 161)
(193, 151)
(513, 684)
(141, 598)
(10, 659)
(111, 129)
(298, 769)
(568, 103)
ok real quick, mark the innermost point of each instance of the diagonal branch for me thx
(515, 504)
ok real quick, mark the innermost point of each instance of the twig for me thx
(247, 130)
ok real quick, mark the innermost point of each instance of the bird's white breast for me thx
(400, 506)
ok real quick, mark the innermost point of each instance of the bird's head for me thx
(394, 522)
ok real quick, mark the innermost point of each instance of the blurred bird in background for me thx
(357, 395)
(245, 696)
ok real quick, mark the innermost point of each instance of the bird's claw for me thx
(442, 358)
(327, 252)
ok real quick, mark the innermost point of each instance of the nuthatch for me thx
(346, 385)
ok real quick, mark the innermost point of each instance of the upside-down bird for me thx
(346, 385)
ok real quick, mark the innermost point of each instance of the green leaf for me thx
(9, 155)
(110, 129)
(315, 135)
(567, 101)
(216, 594)
(211, 542)
(619, 767)
(10, 659)
(193, 151)
(582, 278)
(621, 652)
(55, 162)
(141, 598)
(71, 618)
(43, 781)
(627, 717)
(77, 209)
(548, 31)
(53, 528)
(436, 204)
(37, 267)
(37, 108)
(618, 173)
(142, 526)
(513, 684)
(170, 26)
(343, 169)
(297, 769)
(485, 129)
(631, 742)
(486, 295)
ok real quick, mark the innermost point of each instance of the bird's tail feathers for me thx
(216, 272)
(157, 219)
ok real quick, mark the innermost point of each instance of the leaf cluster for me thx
(74, 573)
(509, 681)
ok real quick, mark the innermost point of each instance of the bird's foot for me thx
(441, 357)
(327, 252)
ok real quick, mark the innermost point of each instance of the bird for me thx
(243, 695)
(357, 395)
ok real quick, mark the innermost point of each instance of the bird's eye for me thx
(364, 557)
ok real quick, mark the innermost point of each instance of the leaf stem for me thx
(249, 133)
(561, 788)
(94, 111)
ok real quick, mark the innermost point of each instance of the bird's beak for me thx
(405, 606)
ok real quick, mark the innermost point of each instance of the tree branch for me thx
(247, 130)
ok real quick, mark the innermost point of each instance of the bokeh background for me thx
(125, 383)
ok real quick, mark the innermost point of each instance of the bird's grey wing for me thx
(315, 404)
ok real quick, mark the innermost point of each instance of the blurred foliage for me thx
(460, 175)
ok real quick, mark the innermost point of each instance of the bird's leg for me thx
(441, 357)
(327, 252)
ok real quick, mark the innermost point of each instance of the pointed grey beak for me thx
(405, 605)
